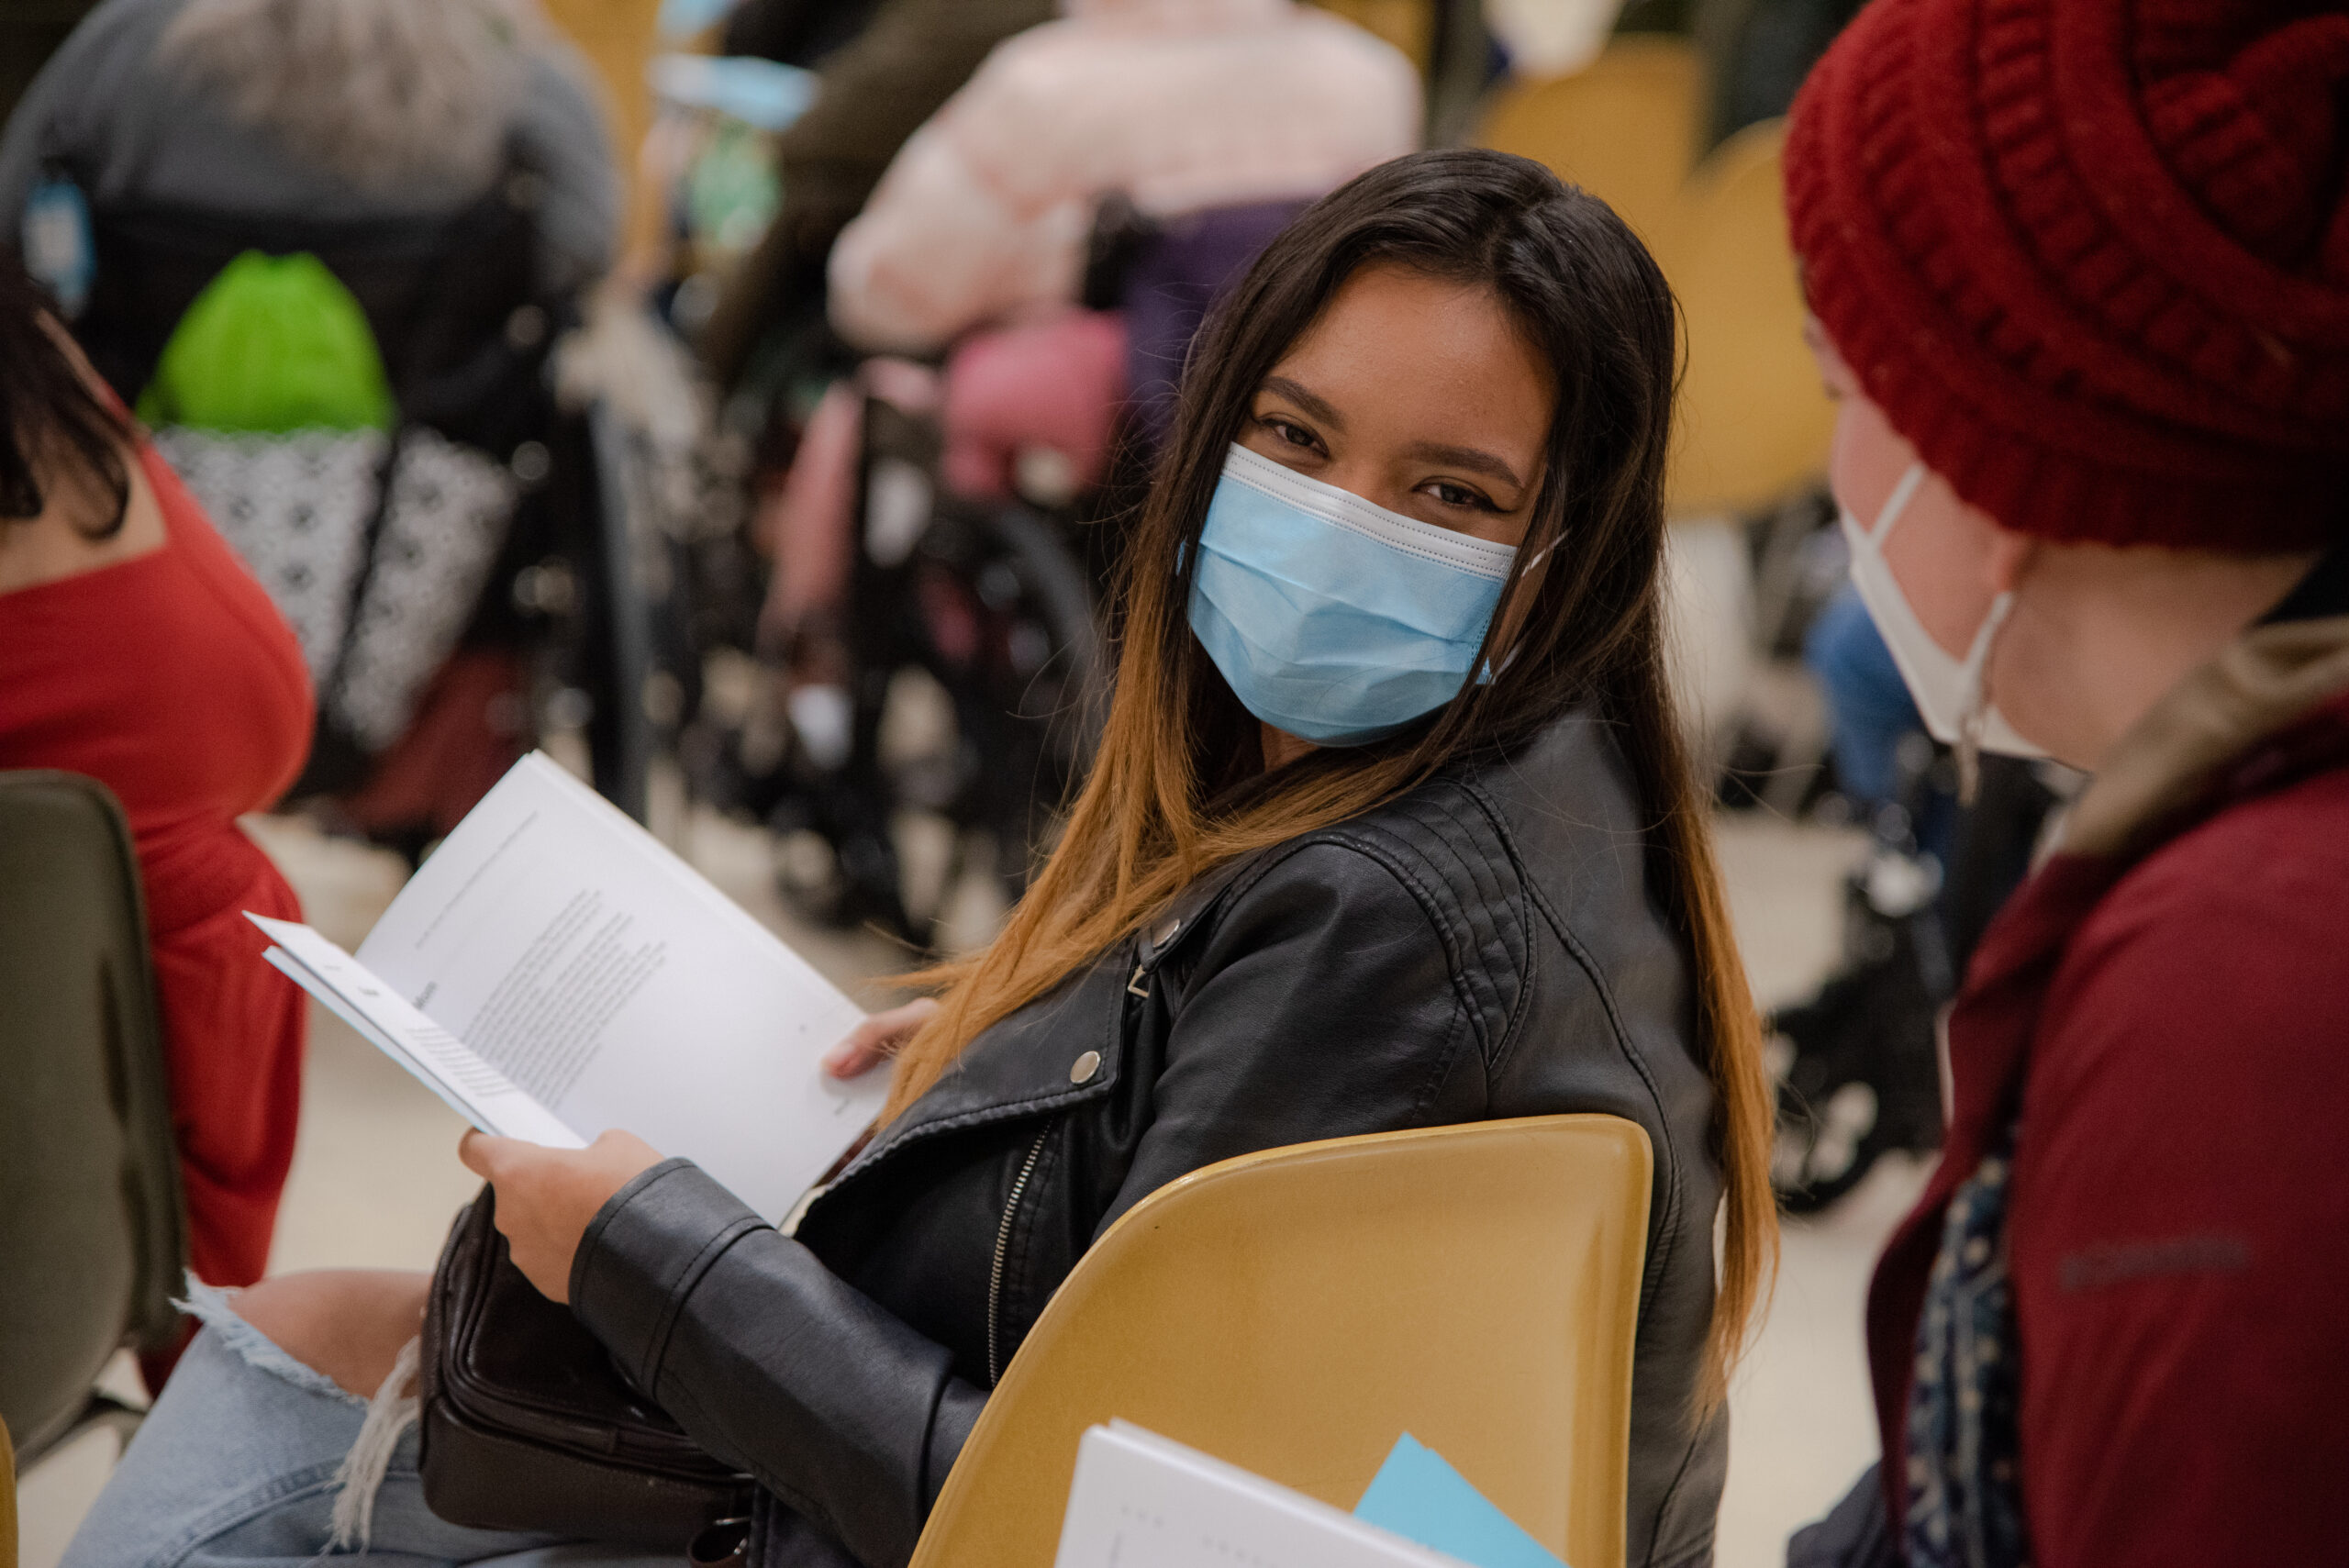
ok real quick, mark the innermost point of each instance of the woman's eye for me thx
(1459, 495)
(1294, 435)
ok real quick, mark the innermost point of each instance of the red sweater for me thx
(2178, 1038)
(171, 679)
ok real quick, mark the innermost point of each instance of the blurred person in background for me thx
(886, 65)
(198, 130)
(136, 648)
(1207, 123)
(1180, 104)
(324, 110)
(1424, 437)
(2080, 274)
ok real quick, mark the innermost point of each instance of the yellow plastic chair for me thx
(1294, 1312)
(1409, 25)
(1624, 127)
(1754, 420)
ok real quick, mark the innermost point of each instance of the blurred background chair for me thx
(1755, 418)
(1294, 1312)
(91, 1234)
(1750, 456)
(1624, 127)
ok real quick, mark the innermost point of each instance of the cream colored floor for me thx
(376, 1175)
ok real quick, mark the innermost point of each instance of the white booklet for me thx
(1144, 1501)
(552, 970)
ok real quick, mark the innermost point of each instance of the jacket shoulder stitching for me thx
(1668, 1225)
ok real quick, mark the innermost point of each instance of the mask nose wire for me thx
(1911, 479)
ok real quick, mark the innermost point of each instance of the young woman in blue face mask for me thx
(1389, 828)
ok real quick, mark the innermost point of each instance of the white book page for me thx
(1142, 1501)
(472, 1087)
(612, 983)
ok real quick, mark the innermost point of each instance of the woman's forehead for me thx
(1400, 354)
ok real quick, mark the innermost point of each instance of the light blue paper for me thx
(1419, 1496)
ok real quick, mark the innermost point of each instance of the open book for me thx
(1144, 1501)
(553, 970)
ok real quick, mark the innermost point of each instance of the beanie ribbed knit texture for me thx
(2091, 258)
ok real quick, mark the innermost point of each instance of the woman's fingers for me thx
(483, 1152)
(546, 1196)
(860, 1052)
(878, 1038)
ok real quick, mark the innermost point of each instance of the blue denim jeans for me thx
(235, 1468)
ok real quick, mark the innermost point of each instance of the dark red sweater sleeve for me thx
(2180, 1230)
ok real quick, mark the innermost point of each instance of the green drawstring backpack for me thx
(274, 344)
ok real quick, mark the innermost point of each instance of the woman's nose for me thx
(1360, 476)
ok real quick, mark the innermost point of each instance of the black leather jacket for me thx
(1486, 946)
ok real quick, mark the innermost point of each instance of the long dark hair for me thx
(1168, 797)
(56, 432)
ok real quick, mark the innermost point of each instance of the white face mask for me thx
(1949, 692)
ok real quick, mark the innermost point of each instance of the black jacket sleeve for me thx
(770, 1361)
(1323, 1004)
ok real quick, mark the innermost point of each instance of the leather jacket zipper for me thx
(1002, 1250)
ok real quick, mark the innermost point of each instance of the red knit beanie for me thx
(2091, 257)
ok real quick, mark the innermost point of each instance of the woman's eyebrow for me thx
(1319, 408)
(1469, 458)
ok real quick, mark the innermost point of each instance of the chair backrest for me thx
(1409, 25)
(1623, 127)
(1294, 1312)
(92, 1238)
(453, 302)
(1754, 420)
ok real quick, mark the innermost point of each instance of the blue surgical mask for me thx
(1334, 619)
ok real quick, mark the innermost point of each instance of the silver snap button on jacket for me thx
(1082, 1070)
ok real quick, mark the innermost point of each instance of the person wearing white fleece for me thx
(1181, 105)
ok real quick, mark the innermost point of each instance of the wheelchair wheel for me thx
(1857, 1067)
(634, 661)
(974, 691)
(992, 619)
(1011, 636)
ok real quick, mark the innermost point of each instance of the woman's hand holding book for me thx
(547, 1197)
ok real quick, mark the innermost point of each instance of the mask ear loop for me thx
(1974, 710)
(1490, 673)
(1912, 479)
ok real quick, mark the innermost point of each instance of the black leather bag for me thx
(528, 1425)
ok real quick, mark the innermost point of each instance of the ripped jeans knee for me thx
(217, 1310)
